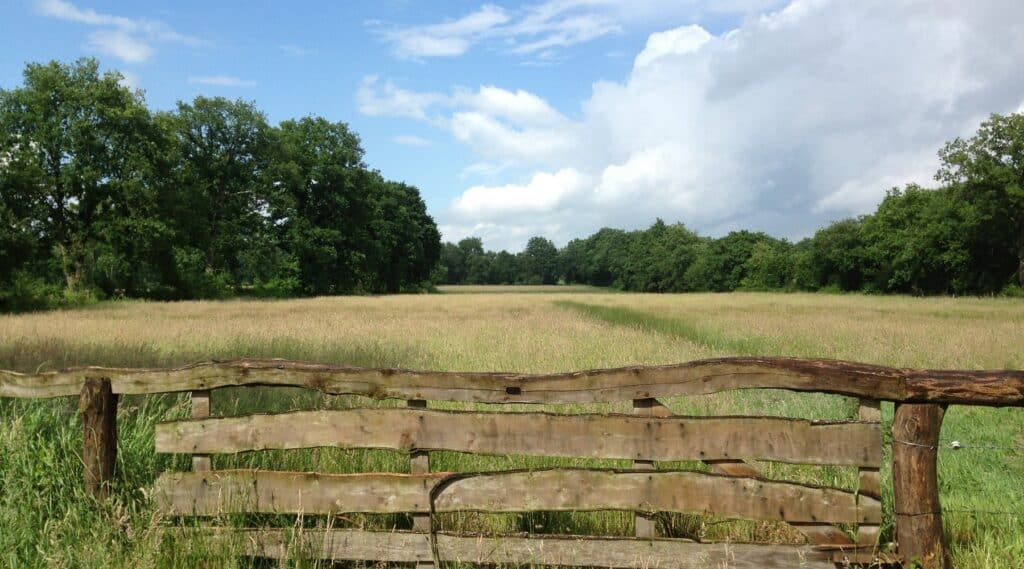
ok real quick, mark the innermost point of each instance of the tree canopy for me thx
(100, 197)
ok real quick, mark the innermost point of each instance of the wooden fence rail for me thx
(734, 488)
(992, 388)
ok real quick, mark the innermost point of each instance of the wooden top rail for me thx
(992, 388)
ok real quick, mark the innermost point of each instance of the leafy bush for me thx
(1013, 291)
(27, 293)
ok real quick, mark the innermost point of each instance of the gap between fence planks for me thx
(585, 435)
(238, 491)
(404, 547)
(993, 388)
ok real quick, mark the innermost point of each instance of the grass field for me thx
(45, 520)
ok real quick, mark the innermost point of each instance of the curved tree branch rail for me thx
(998, 388)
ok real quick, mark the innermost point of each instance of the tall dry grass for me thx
(44, 519)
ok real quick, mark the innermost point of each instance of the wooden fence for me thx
(732, 488)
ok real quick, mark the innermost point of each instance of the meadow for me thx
(45, 520)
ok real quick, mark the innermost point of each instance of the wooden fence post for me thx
(646, 525)
(420, 464)
(98, 408)
(201, 410)
(869, 481)
(915, 441)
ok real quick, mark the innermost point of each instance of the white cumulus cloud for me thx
(797, 117)
(679, 41)
(540, 194)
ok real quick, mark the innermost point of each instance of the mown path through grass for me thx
(677, 327)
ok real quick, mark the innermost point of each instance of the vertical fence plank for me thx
(869, 479)
(646, 526)
(420, 464)
(201, 410)
(98, 407)
(915, 440)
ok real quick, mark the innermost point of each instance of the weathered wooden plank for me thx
(994, 388)
(590, 435)
(98, 408)
(918, 512)
(728, 466)
(868, 534)
(357, 545)
(201, 410)
(239, 491)
(233, 491)
(567, 490)
(825, 535)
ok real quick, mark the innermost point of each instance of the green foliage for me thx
(1013, 291)
(987, 171)
(540, 261)
(99, 197)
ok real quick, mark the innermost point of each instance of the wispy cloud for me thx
(128, 39)
(120, 44)
(221, 81)
(451, 37)
(296, 50)
(410, 140)
(538, 28)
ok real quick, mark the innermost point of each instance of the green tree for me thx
(540, 261)
(769, 267)
(83, 167)
(918, 241)
(223, 206)
(839, 255)
(322, 204)
(406, 241)
(988, 170)
(721, 265)
(505, 268)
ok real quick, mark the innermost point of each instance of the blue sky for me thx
(558, 117)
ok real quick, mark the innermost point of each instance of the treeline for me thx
(964, 237)
(100, 197)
